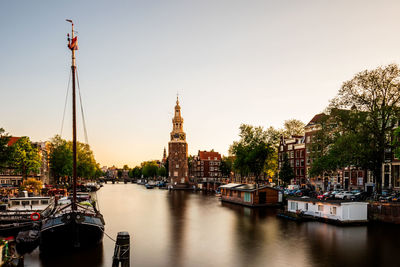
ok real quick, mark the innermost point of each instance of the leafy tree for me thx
(32, 185)
(5, 150)
(162, 172)
(226, 166)
(137, 172)
(149, 169)
(251, 151)
(119, 173)
(396, 142)
(25, 157)
(125, 167)
(286, 173)
(60, 157)
(293, 127)
(375, 93)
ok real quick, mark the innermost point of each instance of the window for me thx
(230, 193)
(35, 202)
(215, 158)
(281, 148)
(308, 139)
(306, 206)
(291, 154)
(25, 202)
(239, 194)
(294, 206)
(297, 163)
(302, 162)
(301, 154)
(177, 166)
(175, 173)
(292, 163)
(290, 147)
(321, 208)
(247, 197)
(211, 169)
(15, 202)
(301, 172)
(297, 154)
(333, 210)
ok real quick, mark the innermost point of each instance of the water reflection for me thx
(182, 228)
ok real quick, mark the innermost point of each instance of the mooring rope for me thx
(108, 236)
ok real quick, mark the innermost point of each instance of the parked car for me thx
(344, 195)
(324, 196)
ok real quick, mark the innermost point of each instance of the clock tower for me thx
(178, 151)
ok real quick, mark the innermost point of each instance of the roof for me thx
(328, 201)
(317, 118)
(231, 185)
(246, 187)
(205, 155)
(13, 140)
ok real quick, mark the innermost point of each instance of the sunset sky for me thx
(232, 62)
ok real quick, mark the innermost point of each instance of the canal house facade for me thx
(249, 194)
(178, 152)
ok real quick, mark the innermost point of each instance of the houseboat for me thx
(250, 194)
(334, 211)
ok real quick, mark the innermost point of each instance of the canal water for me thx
(195, 229)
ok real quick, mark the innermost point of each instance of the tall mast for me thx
(73, 69)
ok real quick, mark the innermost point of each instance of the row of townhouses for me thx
(298, 150)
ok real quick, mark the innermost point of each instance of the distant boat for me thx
(75, 225)
(149, 186)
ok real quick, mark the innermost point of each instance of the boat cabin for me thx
(28, 203)
(250, 194)
(342, 211)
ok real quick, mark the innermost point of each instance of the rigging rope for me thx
(65, 104)
(83, 115)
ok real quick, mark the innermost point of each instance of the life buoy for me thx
(35, 216)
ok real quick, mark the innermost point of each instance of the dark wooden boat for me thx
(74, 225)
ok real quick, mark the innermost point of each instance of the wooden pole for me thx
(122, 250)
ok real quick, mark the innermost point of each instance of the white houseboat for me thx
(336, 211)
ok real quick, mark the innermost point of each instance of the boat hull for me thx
(71, 231)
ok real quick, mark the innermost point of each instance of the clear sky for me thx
(232, 62)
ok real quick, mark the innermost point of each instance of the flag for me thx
(73, 45)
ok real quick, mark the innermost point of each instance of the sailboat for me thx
(73, 225)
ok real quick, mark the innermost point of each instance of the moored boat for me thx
(75, 225)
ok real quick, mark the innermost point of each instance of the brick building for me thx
(178, 152)
(294, 147)
(206, 168)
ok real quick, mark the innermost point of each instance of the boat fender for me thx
(35, 216)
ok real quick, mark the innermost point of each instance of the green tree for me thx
(252, 151)
(226, 166)
(25, 157)
(137, 172)
(286, 173)
(60, 157)
(376, 94)
(149, 169)
(125, 167)
(293, 127)
(396, 142)
(5, 150)
(162, 172)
